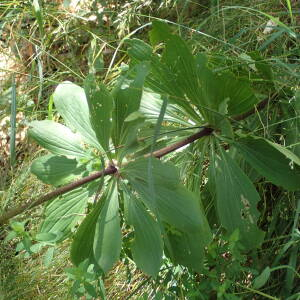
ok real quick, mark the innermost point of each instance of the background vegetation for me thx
(43, 43)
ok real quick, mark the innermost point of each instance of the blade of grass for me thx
(288, 3)
(13, 114)
(290, 274)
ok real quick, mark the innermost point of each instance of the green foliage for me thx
(237, 200)
(56, 170)
(273, 161)
(147, 246)
(99, 237)
(154, 206)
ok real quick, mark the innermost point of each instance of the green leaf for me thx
(162, 79)
(98, 238)
(100, 104)
(262, 279)
(127, 100)
(174, 203)
(147, 246)
(108, 236)
(181, 63)
(187, 249)
(237, 199)
(163, 173)
(63, 213)
(138, 50)
(241, 97)
(45, 237)
(82, 245)
(160, 32)
(291, 111)
(215, 88)
(56, 138)
(39, 16)
(90, 289)
(151, 106)
(48, 256)
(271, 160)
(262, 66)
(56, 170)
(11, 235)
(71, 103)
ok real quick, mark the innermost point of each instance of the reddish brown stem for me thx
(111, 169)
(59, 191)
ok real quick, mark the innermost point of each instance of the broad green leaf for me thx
(71, 103)
(56, 170)
(174, 203)
(262, 66)
(127, 100)
(215, 88)
(139, 50)
(271, 160)
(187, 249)
(237, 199)
(108, 236)
(63, 213)
(100, 104)
(56, 138)
(238, 91)
(160, 32)
(11, 235)
(181, 63)
(163, 173)
(82, 245)
(147, 246)
(162, 79)
(151, 105)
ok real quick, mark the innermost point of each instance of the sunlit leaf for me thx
(63, 213)
(127, 100)
(101, 104)
(107, 240)
(71, 103)
(56, 138)
(56, 170)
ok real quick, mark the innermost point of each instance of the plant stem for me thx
(62, 190)
(111, 169)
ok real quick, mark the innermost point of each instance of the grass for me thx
(53, 44)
